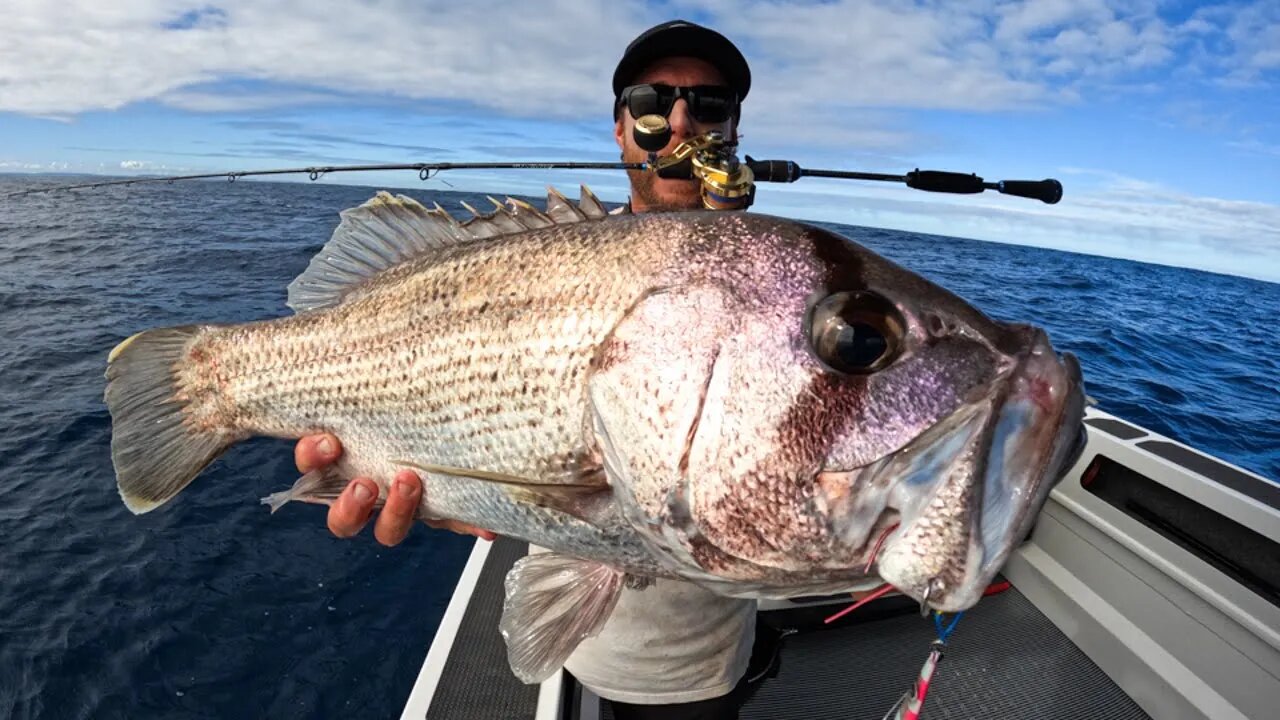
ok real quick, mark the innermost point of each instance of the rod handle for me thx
(774, 170)
(1049, 190)
(945, 182)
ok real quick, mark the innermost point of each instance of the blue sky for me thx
(1160, 118)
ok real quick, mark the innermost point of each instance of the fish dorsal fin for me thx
(388, 230)
(590, 205)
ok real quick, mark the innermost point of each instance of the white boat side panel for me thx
(424, 688)
(550, 697)
(1181, 637)
(1206, 639)
(1162, 686)
(1255, 621)
(1247, 511)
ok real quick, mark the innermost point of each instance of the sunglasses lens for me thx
(707, 103)
(649, 100)
(710, 105)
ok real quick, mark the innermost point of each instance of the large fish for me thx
(746, 402)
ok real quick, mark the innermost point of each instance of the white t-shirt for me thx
(672, 642)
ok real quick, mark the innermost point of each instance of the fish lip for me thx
(1051, 386)
(912, 479)
(1031, 433)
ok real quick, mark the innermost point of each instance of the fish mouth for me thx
(968, 490)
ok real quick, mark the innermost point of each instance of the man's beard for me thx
(643, 188)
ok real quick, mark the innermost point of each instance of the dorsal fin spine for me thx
(388, 230)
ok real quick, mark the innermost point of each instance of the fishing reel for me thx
(726, 183)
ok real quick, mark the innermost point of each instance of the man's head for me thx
(677, 54)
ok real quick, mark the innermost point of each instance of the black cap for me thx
(683, 38)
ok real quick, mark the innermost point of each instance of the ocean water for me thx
(212, 607)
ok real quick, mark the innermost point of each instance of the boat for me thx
(1149, 587)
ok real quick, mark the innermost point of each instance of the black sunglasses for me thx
(709, 104)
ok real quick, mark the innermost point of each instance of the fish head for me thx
(965, 491)
(944, 430)
(853, 422)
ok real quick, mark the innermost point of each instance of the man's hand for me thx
(349, 513)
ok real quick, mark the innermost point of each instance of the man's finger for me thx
(396, 518)
(479, 532)
(463, 529)
(351, 510)
(316, 451)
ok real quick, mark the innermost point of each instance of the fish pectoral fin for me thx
(553, 602)
(320, 486)
(570, 498)
(590, 483)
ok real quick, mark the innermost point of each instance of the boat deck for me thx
(1149, 588)
(476, 681)
(1005, 660)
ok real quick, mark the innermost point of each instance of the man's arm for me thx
(349, 513)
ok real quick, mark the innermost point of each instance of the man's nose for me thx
(682, 124)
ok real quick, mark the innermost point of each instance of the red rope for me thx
(871, 560)
(994, 589)
(997, 588)
(878, 592)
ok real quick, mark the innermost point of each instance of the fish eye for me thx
(855, 333)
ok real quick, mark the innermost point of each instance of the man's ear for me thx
(619, 132)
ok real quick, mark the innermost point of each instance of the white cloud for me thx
(1020, 20)
(812, 61)
(122, 167)
(12, 165)
(863, 54)
(1120, 217)
(83, 55)
(1240, 43)
(838, 74)
(1103, 213)
(215, 101)
(147, 166)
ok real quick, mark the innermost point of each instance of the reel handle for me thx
(651, 133)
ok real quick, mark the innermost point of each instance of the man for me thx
(673, 650)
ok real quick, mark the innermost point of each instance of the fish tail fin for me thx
(156, 452)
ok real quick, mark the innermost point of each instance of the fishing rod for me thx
(727, 183)
(426, 171)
